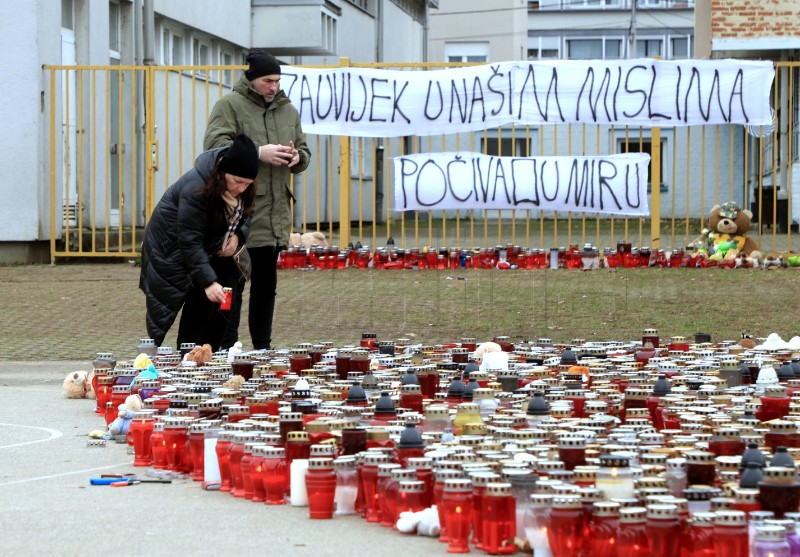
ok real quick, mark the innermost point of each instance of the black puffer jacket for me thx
(185, 230)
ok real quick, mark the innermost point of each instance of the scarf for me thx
(233, 212)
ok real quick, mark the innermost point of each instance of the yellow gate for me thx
(120, 135)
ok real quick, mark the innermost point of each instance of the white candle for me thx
(211, 475)
(297, 480)
(614, 483)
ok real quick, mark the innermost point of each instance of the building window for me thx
(505, 147)
(330, 37)
(172, 47)
(681, 48)
(594, 49)
(648, 48)
(114, 28)
(201, 56)
(645, 145)
(543, 54)
(226, 59)
(467, 52)
(68, 14)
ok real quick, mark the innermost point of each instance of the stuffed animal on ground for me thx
(122, 422)
(78, 384)
(424, 522)
(134, 403)
(486, 347)
(234, 383)
(200, 354)
(727, 230)
(308, 239)
(234, 351)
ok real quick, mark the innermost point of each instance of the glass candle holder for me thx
(175, 438)
(565, 529)
(779, 490)
(320, 482)
(386, 492)
(730, 534)
(196, 450)
(663, 529)
(369, 479)
(346, 485)
(457, 511)
(423, 468)
(442, 475)
(222, 449)
(632, 537)
(770, 541)
(536, 521)
(700, 468)
(614, 477)
(480, 480)
(572, 451)
(602, 538)
(141, 430)
(274, 476)
(498, 508)
(408, 499)
(235, 454)
(256, 468)
(699, 540)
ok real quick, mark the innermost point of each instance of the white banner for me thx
(616, 184)
(646, 92)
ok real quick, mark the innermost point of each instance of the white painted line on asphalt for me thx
(54, 434)
(51, 476)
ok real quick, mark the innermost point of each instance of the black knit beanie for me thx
(241, 158)
(261, 63)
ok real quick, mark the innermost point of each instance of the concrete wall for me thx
(502, 24)
(226, 19)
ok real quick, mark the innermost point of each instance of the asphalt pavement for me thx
(48, 507)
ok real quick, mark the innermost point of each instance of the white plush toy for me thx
(78, 384)
(424, 522)
(234, 351)
(486, 347)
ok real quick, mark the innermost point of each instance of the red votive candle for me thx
(499, 512)
(564, 532)
(321, 487)
(141, 430)
(663, 530)
(274, 475)
(457, 505)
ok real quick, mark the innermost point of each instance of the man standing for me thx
(259, 108)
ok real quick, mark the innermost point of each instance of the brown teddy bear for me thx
(200, 354)
(728, 225)
(308, 239)
(78, 384)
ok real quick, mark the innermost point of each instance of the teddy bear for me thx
(308, 239)
(726, 234)
(199, 354)
(121, 424)
(78, 384)
(424, 522)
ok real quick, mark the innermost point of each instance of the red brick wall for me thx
(752, 19)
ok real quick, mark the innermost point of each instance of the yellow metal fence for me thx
(120, 135)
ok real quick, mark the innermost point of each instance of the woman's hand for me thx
(215, 293)
(230, 247)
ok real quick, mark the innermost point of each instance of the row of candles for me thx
(504, 257)
(576, 468)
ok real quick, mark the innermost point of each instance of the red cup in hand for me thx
(226, 305)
